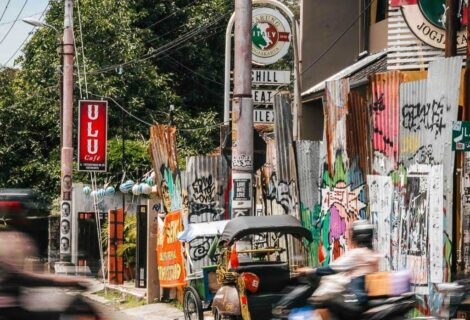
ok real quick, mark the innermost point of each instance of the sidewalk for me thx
(154, 311)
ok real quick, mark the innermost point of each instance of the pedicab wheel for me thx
(192, 305)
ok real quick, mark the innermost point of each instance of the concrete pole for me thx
(242, 114)
(67, 129)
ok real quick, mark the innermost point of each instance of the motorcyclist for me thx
(344, 275)
(15, 247)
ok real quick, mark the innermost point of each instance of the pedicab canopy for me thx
(243, 226)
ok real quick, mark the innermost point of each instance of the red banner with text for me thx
(171, 270)
(92, 135)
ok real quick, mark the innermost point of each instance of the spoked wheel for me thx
(192, 305)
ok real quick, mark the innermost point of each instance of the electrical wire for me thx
(119, 106)
(339, 38)
(149, 124)
(165, 48)
(194, 72)
(77, 62)
(171, 14)
(27, 37)
(20, 18)
(82, 44)
(5, 10)
(11, 27)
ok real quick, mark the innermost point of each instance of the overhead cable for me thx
(11, 27)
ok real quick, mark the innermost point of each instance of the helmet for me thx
(363, 233)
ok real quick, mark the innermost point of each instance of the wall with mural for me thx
(206, 195)
(387, 158)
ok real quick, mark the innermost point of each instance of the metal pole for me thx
(67, 131)
(451, 28)
(228, 55)
(242, 113)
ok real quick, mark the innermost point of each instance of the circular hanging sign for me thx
(427, 19)
(271, 36)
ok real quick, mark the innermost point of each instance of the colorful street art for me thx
(330, 221)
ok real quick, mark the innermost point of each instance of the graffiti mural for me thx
(342, 206)
(385, 114)
(205, 193)
(380, 204)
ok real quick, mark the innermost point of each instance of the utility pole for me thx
(67, 130)
(451, 27)
(242, 114)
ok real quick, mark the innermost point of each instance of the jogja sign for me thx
(426, 19)
(271, 34)
(92, 135)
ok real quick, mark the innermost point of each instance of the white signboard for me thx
(263, 116)
(270, 77)
(263, 96)
(271, 36)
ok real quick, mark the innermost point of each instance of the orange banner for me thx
(171, 270)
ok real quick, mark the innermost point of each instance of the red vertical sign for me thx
(92, 135)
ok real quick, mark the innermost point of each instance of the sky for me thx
(11, 41)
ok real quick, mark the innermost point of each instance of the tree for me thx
(113, 36)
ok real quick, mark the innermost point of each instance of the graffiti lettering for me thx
(424, 155)
(282, 192)
(242, 161)
(171, 231)
(209, 211)
(202, 204)
(427, 116)
(378, 105)
(169, 273)
(203, 189)
(199, 248)
(345, 197)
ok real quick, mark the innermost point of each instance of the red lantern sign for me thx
(92, 135)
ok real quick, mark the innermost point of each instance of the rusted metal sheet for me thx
(358, 137)
(413, 148)
(283, 184)
(335, 110)
(385, 110)
(165, 165)
(206, 199)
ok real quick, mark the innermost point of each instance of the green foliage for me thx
(114, 32)
(128, 249)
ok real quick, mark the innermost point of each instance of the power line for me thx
(27, 37)
(20, 18)
(5, 10)
(149, 124)
(172, 14)
(11, 27)
(120, 107)
(195, 72)
(168, 46)
(339, 38)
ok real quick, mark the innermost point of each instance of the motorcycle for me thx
(299, 305)
(52, 304)
(456, 300)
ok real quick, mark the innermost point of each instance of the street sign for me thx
(271, 35)
(461, 136)
(92, 135)
(263, 116)
(270, 77)
(263, 96)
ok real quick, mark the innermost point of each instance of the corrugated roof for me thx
(352, 70)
